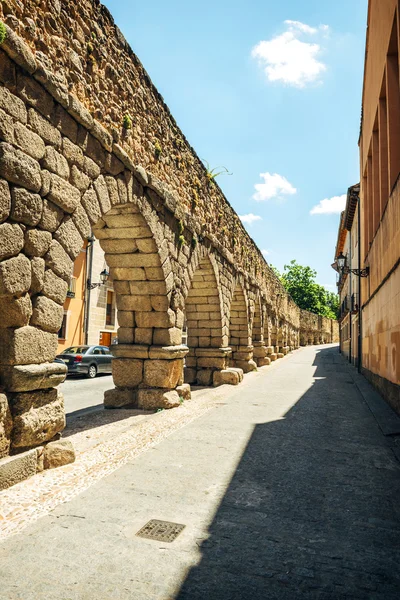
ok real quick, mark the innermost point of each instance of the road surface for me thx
(82, 393)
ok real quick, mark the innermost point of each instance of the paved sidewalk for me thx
(288, 490)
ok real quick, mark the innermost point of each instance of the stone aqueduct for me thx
(88, 145)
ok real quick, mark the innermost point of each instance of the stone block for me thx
(121, 350)
(38, 416)
(167, 337)
(126, 318)
(79, 180)
(189, 375)
(127, 372)
(164, 320)
(58, 260)
(226, 376)
(184, 391)
(37, 242)
(126, 335)
(37, 266)
(81, 222)
(162, 373)
(6, 127)
(119, 246)
(143, 335)
(15, 469)
(7, 71)
(91, 205)
(25, 378)
(48, 133)
(15, 312)
(12, 105)
(101, 189)
(47, 314)
(26, 207)
(246, 365)
(5, 427)
(63, 194)
(27, 345)
(34, 94)
(52, 216)
(134, 303)
(15, 275)
(29, 142)
(279, 355)
(273, 356)
(19, 51)
(11, 240)
(72, 153)
(204, 376)
(263, 362)
(212, 362)
(55, 162)
(19, 168)
(69, 238)
(168, 352)
(120, 398)
(58, 453)
(54, 287)
(151, 399)
(5, 200)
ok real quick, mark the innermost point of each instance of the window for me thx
(62, 333)
(110, 311)
(97, 351)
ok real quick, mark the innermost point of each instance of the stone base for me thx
(230, 376)
(19, 467)
(246, 365)
(57, 454)
(273, 356)
(154, 398)
(279, 355)
(120, 398)
(184, 391)
(263, 362)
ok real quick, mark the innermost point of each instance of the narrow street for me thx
(287, 488)
(82, 394)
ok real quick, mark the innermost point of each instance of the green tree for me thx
(300, 282)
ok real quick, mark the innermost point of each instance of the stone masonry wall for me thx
(174, 246)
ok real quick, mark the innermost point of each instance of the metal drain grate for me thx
(163, 531)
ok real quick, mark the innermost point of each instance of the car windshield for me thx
(75, 350)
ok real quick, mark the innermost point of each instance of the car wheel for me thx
(92, 372)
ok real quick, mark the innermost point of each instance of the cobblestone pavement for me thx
(286, 485)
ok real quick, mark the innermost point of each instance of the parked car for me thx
(87, 360)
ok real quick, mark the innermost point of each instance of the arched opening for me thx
(204, 327)
(239, 332)
(148, 363)
(260, 350)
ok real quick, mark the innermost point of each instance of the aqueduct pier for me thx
(87, 144)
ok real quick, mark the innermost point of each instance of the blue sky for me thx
(272, 91)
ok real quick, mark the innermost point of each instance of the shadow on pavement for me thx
(313, 509)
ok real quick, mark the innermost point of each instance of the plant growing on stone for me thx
(157, 149)
(3, 32)
(127, 122)
(181, 241)
(194, 242)
(181, 227)
(89, 47)
(211, 174)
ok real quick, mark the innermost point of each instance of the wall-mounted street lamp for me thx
(344, 269)
(103, 277)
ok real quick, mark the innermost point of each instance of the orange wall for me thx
(75, 306)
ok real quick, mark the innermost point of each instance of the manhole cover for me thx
(163, 531)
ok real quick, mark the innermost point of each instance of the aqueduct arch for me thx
(87, 144)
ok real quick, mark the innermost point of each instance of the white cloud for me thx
(266, 252)
(274, 186)
(288, 59)
(250, 218)
(300, 26)
(330, 206)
